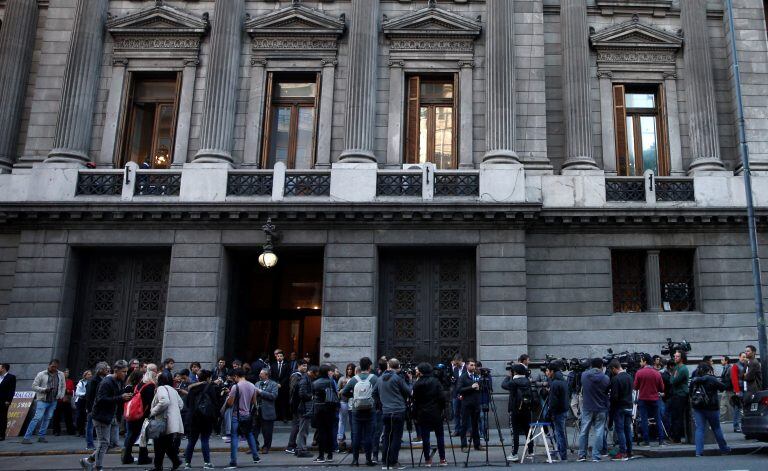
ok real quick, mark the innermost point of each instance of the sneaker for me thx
(86, 465)
(596, 460)
(428, 463)
(443, 463)
(303, 454)
(290, 451)
(187, 466)
(256, 460)
(319, 459)
(231, 466)
(512, 458)
(619, 457)
(26, 441)
(42, 440)
(329, 459)
(399, 466)
(208, 466)
(582, 459)
(644, 444)
(370, 463)
(227, 439)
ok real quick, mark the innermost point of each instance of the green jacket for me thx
(679, 382)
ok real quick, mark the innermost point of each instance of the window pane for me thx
(628, 279)
(279, 141)
(155, 90)
(140, 132)
(295, 90)
(304, 137)
(677, 281)
(444, 137)
(163, 137)
(650, 147)
(630, 146)
(641, 100)
(436, 90)
(423, 133)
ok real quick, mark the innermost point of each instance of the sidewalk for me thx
(70, 445)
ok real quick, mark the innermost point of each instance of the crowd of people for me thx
(376, 403)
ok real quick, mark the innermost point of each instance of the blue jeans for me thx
(456, 406)
(343, 415)
(439, 437)
(588, 420)
(362, 433)
(558, 423)
(737, 411)
(236, 438)
(89, 433)
(702, 417)
(43, 413)
(378, 426)
(622, 424)
(204, 444)
(650, 409)
(393, 433)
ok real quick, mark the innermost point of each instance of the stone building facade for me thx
(489, 177)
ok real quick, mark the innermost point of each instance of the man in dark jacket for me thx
(469, 394)
(293, 400)
(428, 409)
(621, 409)
(266, 390)
(7, 391)
(557, 406)
(458, 368)
(594, 388)
(705, 400)
(520, 407)
(752, 374)
(108, 398)
(280, 372)
(304, 410)
(392, 392)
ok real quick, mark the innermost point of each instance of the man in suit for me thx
(280, 372)
(7, 390)
(267, 392)
(457, 369)
(469, 395)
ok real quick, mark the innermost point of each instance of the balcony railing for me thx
(457, 184)
(625, 189)
(399, 183)
(250, 183)
(674, 189)
(99, 183)
(307, 183)
(158, 183)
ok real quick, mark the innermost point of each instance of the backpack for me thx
(362, 395)
(332, 396)
(133, 410)
(205, 408)
(699, 396)
(524, 398)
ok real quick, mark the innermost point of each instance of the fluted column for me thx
(17, 41)
(361, 86)
(81, 80)
(576, 86)
(500, 82)
(700, 89)
(221, 85)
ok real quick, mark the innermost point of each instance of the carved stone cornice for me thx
(432, 30)
(295, 31)
(636, 44)
(158, 32)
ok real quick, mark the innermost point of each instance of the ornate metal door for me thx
(427, 310)
(121, 308)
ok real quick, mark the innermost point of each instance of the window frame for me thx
(127, 113)
(413, 104)
(620, 114)
(296, 103)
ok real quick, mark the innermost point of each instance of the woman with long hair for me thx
(705, 389)
(167, 404)
(80, 413)
(201, 402)
(144, 386)
(349, 373)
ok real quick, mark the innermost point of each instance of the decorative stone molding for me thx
(634, 45)
(658, 8)
(431, 31)
(158, 32)
(295, 31)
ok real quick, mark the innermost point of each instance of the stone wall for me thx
(9, 249)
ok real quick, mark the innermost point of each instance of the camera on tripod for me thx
(671, 347)
(484, 372)
(552, 361)
(444, 375)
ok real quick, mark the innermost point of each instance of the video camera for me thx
(549, 360)
(484, 372)
(671, 347)
(444, 375)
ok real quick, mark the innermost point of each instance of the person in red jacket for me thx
(649, 385)
(737, 383)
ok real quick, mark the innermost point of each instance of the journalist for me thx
(557, 406)
(469, 394)
(678, 401)
(362, 410)
(594, 384)
(705, 401)
(428, 409)
(458, 369)
(621, 409)
(649, 385)
(393, 392)
(520, 405)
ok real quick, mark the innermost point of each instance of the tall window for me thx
(641, 133)
(291, 121)
(149, 120)
(431, 121)
(628, 276)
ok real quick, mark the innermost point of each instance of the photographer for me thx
(520, 405)
(557, 406)
(428, 409)
(469, 394)
(621, 409)
(649, 385)
(393, 393)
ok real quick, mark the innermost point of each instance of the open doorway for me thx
(276, 308)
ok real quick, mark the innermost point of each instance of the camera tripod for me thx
(485, 388)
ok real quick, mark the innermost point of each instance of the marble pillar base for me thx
(500, 156)
(580, 164)
(213, 156)
(357, 156)
(60, 155)
(706, 164)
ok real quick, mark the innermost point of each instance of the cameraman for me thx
(428, 409)
(557, 406)
(520, 405)
(468, 388)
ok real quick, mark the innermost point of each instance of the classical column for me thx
(673, 124)
(466, 101)
(607, 126)
(17, 41)
(361, 86)
(653, 281)
(81, 81)
(106, 157)
(254, 121)
(700, 89)
(576, 86)
(396, 114)
(325, 114)
(500, 82)
(218, 123)
(185, 112)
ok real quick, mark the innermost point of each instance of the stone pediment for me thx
(296, 20)
(431, 22)
(634, 42)
(157, 32)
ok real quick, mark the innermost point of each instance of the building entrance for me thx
(120, 307)
(427, 305)
(276, 308)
